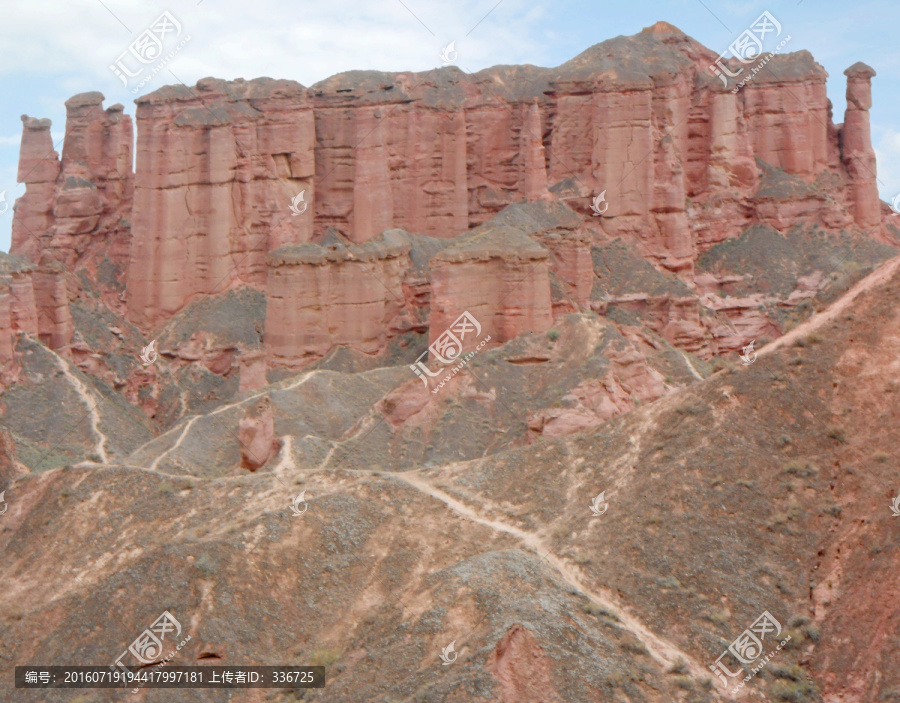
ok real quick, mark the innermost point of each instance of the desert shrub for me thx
(803, 469)
(793, 691)
(634, 647)
(553, 335)
(783, 441)
(837, 433)
(592, 608)
(679, 667)
(205, 564)
(324, 657)
(685, 682)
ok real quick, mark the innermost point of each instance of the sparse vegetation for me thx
(553, 335)
(206, 564)
(783, 441)
(837, 433)
(679, 667)
(592, 608)
(794, 691)
(802, 469)
(324, 657)
(685, 682)
(634, 647)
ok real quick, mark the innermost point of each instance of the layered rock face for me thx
(498, 276)
(217, 168)
(18, 312)
(856, 146)
(241, 183)
(84, 199)
(319, 297)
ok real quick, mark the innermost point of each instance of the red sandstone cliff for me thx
(685, 164)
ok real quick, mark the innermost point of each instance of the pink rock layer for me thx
(230, 173)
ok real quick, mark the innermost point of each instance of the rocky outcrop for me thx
(271, 186)
(256, 434)
(18, 312)
(497, 275)
(51, 302)
(319, 297)
(217, 170)
(39, 171)
(521, 668)
(84, 200)
(856, 147)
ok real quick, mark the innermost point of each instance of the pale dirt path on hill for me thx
(194, 418)
(177, 444)
(664, 652)
(878, 277)
(85, 395)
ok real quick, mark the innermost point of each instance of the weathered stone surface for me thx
(500, 277)
(52, 303)
(856, 147)
(86, 198)
(256, 433)
(18, 312)
(320, 297)
(217, 169)
(684, 165)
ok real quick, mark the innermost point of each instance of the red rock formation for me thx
(256, 433)
(639, 118)
(500, 277)
(18, 313)
(788, 113)
(52, 303)
(217, 170)
(319, 297)
(856, 146)
(521, 668)
(39, 171)
(82, 201)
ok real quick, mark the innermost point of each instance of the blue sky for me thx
(53, 49)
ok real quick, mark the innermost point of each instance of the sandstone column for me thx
(856, 146)
(38, 170)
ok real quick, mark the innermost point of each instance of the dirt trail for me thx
(661, 650)
(690, 366)
(84, 393)
(177, 444)
(878, 277)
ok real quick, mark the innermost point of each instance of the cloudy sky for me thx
(53, 49)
